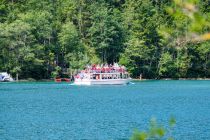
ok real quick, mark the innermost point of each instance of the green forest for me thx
(41, 39)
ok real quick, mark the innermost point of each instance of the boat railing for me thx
(100, 71)
(99, 76)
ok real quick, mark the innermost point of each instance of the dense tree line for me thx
(156, 38)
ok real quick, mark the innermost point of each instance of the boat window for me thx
(97, 77)
(104, 76)
(109, 76)
(94, 76)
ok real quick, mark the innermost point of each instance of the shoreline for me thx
(133, 79)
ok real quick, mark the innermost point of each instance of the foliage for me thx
(155, 131)
(166, 65)
(142, 38)
(155, 39)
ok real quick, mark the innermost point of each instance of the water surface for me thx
(62, 111)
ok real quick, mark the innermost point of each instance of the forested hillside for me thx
(155, 38)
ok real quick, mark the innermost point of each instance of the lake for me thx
(39, 110)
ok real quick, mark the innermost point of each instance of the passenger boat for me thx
(103, 75)
(5, 77)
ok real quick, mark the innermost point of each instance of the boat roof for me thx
(108, 73)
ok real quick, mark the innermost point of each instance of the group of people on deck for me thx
(105, 68)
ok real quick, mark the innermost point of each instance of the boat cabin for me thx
(98, 76)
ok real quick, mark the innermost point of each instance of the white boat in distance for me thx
(104, 75)
(5, 77)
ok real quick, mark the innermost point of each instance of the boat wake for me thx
(131, 83)
(72, 84)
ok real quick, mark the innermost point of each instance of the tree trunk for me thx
(140, 77)
(17, 77)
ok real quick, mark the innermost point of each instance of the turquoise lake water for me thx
(51, 111)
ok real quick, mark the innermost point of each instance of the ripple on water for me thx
(63, 111)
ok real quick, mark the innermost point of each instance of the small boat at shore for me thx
(103, 75)
(5, 77)
(62, 80)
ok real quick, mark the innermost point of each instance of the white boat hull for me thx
(101, 81)
(5, 77)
